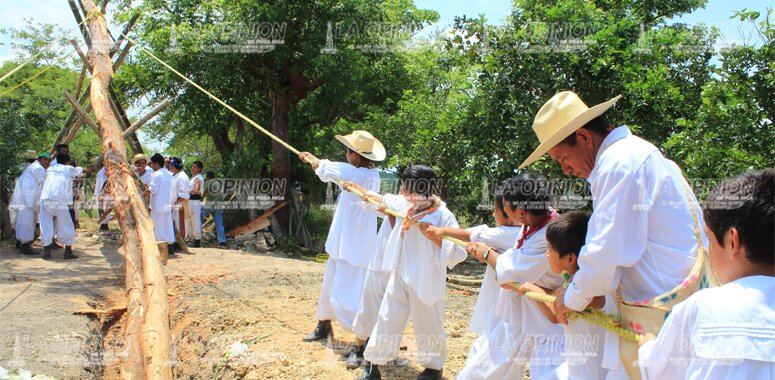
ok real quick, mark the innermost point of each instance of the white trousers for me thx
(399, 303)
(341, 293)
(65, 231)
(194, 221)
(25, 225)
(162, 227)
(368, 311)
(497, 355)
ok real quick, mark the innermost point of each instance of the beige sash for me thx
(649, 316)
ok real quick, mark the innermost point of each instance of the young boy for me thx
(526, 201)
(352, 236)
(497, 313)
(417, 286)
(565, 236)
(726, 332)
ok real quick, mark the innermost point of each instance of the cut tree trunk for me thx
(147, 309)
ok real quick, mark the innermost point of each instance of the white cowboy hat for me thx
(365, 144)
(558, 118)
(138, 157)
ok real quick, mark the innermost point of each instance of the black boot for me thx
(104, 227)
(197, 244)
(47, 252)
(370, 372)
(170, 249)
(26, 249)
(322, 330)
(356, 357)
(430, 374)
(69, 253)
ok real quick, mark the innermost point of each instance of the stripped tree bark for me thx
(147, 296)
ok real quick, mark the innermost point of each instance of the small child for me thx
(526, 201)
(353, 233)
(418, 284)
(727, 332)
(497, 316)
(565, 236)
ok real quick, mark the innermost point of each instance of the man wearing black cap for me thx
(160, 192)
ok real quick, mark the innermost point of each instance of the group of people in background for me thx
(49, 194)
(648, 254)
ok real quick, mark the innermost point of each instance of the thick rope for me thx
(39, 73)
(593, 316)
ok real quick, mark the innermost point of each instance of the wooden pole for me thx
(136, 224)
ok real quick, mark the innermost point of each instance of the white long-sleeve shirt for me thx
(726, 332)
(161, 191)
(421, 263)
(529, 264)
(500, 238)
(640, 237)
(58, 185)
(180, 185)
(353, 233)
(28, 187)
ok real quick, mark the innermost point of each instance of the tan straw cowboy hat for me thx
(365, 144)
(138, 157)
(31, 155)
(558, 118)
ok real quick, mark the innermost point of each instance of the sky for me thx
(716, 13)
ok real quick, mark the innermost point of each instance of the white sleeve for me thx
(616, 237)
(669, 355)
(396, 203)
(153, 186)
(332, 171)
(183, 189)
(450, 253)
(499, 238)
(526, 264)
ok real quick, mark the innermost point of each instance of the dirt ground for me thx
(218, 297)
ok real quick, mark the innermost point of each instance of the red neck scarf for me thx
(527, 231)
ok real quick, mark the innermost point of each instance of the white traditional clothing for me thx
(497, 317)
(416, 288)
(195, 207)
(542, 340)
(375, 284)
(161, 205)
(25, 201)
(145, 179)
(726, 332)
(583, 353)
(350, 244)
(56, 197)
(179, 190)
(640, 238)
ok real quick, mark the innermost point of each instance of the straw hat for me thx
(365, 144)
(30, 154)
(138, 157)
(558, 118)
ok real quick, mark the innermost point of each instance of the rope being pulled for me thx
(593, 316)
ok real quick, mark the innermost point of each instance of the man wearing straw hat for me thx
(140, 162)
(643, 235)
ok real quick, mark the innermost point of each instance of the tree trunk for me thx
(281, 163)
(147, 309)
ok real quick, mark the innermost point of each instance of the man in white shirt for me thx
(102, 204)
(160, 192)
(140, 162)
(180, 183)
(196, 186)
(25, 202)
(641, 239)
(56, 196)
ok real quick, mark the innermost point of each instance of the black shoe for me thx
(430, 374)
(26, 249)
(54, 245)
(197, 244)
(47, 252)
(18, 244)
(355, 359)
(222, 244)
(322, 330)
(170, 249)
(69, 253)
(370, 372)
(104, 227)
